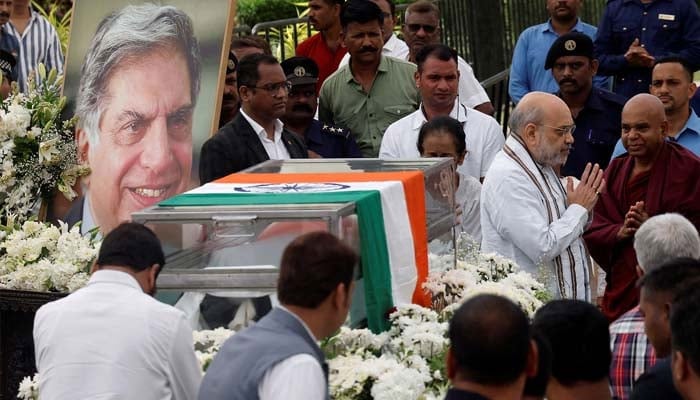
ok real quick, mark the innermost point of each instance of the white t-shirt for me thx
(484, 139)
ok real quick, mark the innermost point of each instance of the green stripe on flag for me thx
(374, 253)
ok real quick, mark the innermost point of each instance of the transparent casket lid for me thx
(237, 248)
(439, 175)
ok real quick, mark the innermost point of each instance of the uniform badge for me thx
(570, 45)
(231, 64)
(299, 71)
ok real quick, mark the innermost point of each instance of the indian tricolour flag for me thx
(390, 208)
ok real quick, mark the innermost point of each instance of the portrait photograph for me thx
(145, 80)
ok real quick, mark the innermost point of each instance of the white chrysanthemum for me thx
(29, 388)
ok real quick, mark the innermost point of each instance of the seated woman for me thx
(444, 137)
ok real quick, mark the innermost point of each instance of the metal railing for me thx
(497, 88)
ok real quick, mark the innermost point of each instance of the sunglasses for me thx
(417, 27)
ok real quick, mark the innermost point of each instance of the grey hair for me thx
(126, 35)
(524, 114)
(665, 237)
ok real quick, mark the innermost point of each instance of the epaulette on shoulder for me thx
(335, 131)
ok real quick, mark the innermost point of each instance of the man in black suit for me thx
(256, 134)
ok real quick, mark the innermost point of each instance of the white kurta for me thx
(484, 139)
(525, 217)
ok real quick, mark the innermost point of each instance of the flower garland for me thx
(37, 152)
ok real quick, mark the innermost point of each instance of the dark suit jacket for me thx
(236, 147)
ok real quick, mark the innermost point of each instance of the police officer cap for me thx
(570, 44)
(300, 70)
(7, 62)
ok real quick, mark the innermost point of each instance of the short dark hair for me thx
(247, 69)
(680, 60)
(490, 340)
(579, 338)
(133, 246)
(685, 324)
(392, 7)
(423, 7)
(255, 41)
(537, 385)
(671, 277)
(312, 267)
(333, 2)
(443, 124)
(360, 11)
(437, 50)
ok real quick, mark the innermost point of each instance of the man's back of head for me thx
(580, 342)
(685, 338)
(490, 346)
(664, 237)
(658, 289)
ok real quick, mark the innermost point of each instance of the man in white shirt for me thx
(112, 339)
(422, 27)
(393, 46)
(256, 134)
(437, 80)
(279, 358)
(527, 214)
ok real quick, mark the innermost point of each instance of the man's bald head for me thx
(644, 127)
(543, 122)
(650, 104)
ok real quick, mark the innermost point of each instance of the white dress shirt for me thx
(394, 47)
(484, 139)
(110, 340)
(516, 222)
(471, 93)
(275, 148)
(467, 198)
(297, 377)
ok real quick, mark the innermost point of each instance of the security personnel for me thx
(633, 34)
(229, 102)
(7, 69)
(597, 112)
(321, 139)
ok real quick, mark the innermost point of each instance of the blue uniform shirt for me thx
(331, 142)
(663, 27)
(527, 73)
(688, 137)
(597, 130)
(10, 44)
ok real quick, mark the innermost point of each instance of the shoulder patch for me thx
(335, 131)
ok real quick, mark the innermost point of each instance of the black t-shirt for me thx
(656, 383)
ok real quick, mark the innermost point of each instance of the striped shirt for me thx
(632, 354)
(38, 43)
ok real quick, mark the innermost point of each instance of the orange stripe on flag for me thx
(414, 190)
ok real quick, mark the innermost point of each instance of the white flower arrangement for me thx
(38, 155)
(207, 343)
(41, 257)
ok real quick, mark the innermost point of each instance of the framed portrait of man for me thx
(145, 80)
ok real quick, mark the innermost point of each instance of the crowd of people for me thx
(27, 39)
(592, 192)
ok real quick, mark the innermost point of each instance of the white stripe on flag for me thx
(397, 228)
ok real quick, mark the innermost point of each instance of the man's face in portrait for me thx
(144, 151)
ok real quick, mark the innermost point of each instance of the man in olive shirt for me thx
(372, 91)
